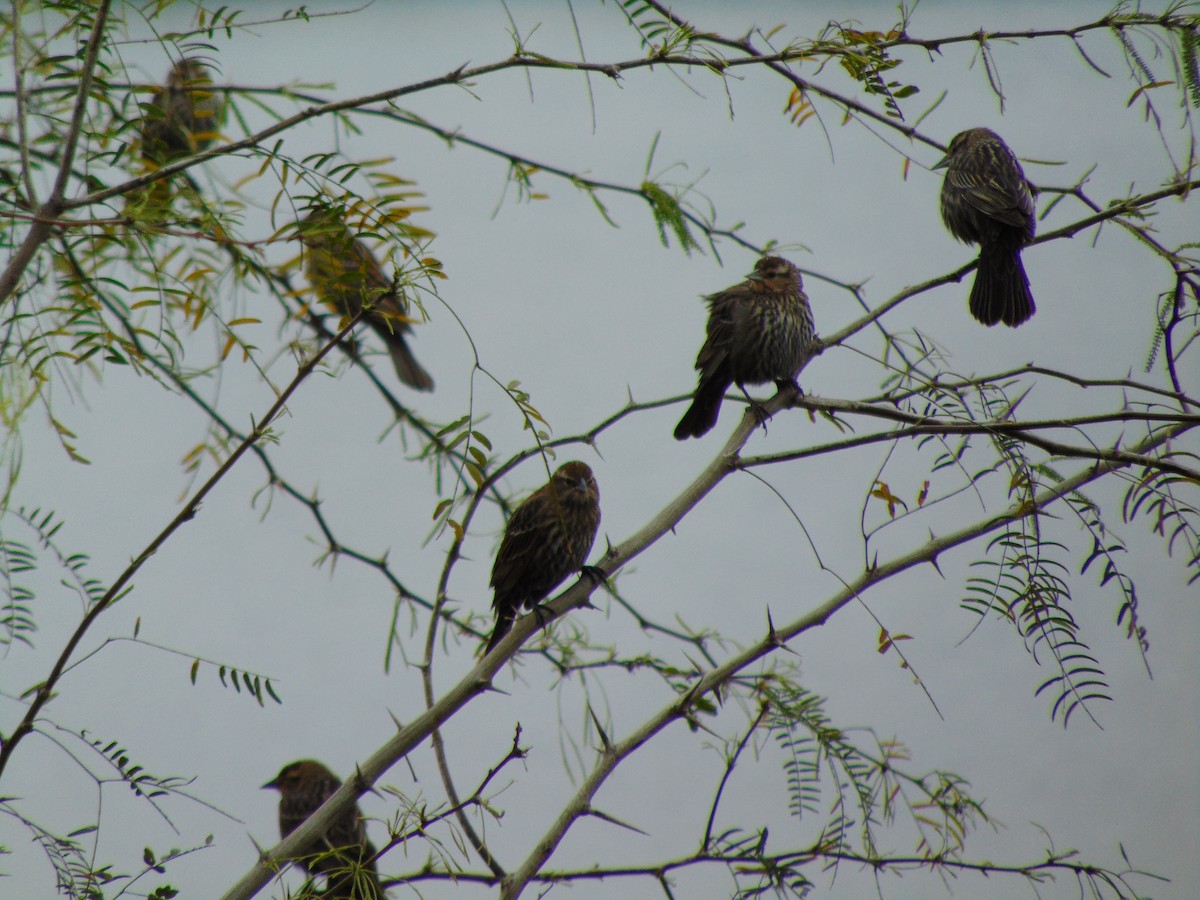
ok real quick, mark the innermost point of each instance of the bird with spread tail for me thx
(547, 539)
(986, 200)
(343, 855)
(758, 331)
(346, 276)
(184, 116)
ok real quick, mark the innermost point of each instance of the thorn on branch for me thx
(262, 851)
(361, 785)
(613, 820)
(600, 729)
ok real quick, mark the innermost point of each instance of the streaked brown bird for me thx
(758, 331)
(986, 201)
(343, 855)
(346, 275)
(184, 116)
(547, 539)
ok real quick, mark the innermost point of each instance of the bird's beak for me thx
(941, 163)
(754, 276)
(272, 784)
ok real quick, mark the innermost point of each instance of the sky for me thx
(588, 314)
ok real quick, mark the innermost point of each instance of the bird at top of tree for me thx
(986, 200)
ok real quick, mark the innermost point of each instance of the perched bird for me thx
(345, 274)
(184, 116)
(547, 539)
(986, 201)
(343, 854)
(758, 331)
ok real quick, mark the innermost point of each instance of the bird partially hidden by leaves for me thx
(346, 276)
(547, 539)
(986, 200)
(184, 117)
(758, 331)
(342, 855)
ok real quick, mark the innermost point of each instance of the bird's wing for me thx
(722, 310)
(1005, 198)
(378, 289)
(521, 539)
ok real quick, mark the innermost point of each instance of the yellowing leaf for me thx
(883, 492)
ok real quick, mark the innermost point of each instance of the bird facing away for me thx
(547, 539)
(345, 275)
(343, 854)
(184, 116)
(986, 201)
(758, 331)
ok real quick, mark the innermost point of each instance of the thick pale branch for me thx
(611, 758)
(478, 680)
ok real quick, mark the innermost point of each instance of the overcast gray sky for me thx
(586, 315)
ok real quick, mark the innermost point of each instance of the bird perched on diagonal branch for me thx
(343, 855)
(758, 331)
(346, 276)
(986, 201)
(547, 539)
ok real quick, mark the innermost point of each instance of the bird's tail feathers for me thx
(504, 623)
(701, 416)
(407, 367)
(1001, 290)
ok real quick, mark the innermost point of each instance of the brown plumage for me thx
(184, 116)
(758, 331)
(986, 201)
(343, 855)
(345, 275)
(547, 539)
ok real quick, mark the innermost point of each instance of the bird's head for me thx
(963, 142)
(189, 73)
(576, 476)
(774, 273)
(294, 775)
